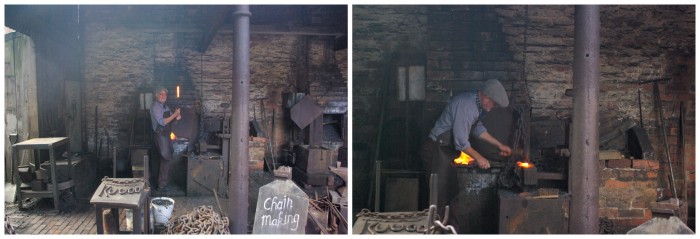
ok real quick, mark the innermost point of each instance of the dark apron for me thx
(165, 149)
(437, 158)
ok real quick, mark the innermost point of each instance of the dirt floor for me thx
(38, 217)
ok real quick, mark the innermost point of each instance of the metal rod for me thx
(238, 154)
(378, 144)
(433, 189)
(660, 110)
(639, 100)
(684, 157)
(114, 162)
(145, 172)
(377, 182)
(584, 138)
(407, 155)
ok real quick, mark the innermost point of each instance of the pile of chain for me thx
(9, 229)
(606, 226)
(202, 220)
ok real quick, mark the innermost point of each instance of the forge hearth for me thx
(476, 204)
(312, 164)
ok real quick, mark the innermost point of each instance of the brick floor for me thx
(40, 218)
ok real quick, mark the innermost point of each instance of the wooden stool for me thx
(125, 193)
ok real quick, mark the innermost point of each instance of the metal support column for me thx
(584, 175)
(238, 154)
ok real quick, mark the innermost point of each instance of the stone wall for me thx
(530, 49)
(121, 61)
(627, 187)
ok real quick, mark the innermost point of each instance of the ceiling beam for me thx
(226, 28)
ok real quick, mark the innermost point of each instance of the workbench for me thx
(55, 187)
(126, 193)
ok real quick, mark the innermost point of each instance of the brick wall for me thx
(627, 187)
(119, 60)
(530, 48)
(381, 34)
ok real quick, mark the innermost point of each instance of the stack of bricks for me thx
(627, 187)
(256, 153)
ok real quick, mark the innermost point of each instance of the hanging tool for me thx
(659, 107)
(256, 125)
(272, 139)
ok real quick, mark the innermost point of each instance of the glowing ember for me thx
(177, 91)
(525, 165)
(172, 136)
(463, 159)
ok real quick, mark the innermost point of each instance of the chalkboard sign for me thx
(281, 209)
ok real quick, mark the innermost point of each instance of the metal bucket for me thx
(162, 209)
(475, 208)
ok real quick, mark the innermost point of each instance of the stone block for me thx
(609, 212)
(614, 183)
(625, 174)
(619, 163)
(631, 213)
(652, 175)
(256, 165)
(608, 173)
(645, 164)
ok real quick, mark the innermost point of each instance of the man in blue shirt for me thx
(450, 135)
(161, 117)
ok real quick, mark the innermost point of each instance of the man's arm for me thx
(172, 117)
(505, 150)
(480, 160)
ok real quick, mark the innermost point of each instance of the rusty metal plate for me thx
(305, 112)
(532, 215)
(204, 175)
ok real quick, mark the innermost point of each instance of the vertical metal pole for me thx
(114, 162)
(584, 175)
(378, 183)
(238, 154)
(433, 189)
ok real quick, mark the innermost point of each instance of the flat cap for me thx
(494, 90)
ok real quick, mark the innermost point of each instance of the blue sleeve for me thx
(157, 115)
(478, 129)
(463, 121)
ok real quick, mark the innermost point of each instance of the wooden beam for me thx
(219, 17)
(227, 28)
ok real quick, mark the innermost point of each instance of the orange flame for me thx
(172, 136)
(463, 159)
(525, 165)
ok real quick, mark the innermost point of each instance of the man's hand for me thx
(505, 150)
(483, 163)
(177, 113)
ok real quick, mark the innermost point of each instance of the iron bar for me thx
(584, 136)
(662, 122)
(377, 181)
(238, 154)
(433, 189)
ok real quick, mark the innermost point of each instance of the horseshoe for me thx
(122, 190)
(422, 229)
(111, 190)
(396, 227)
(381, 227)
(411, 228)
